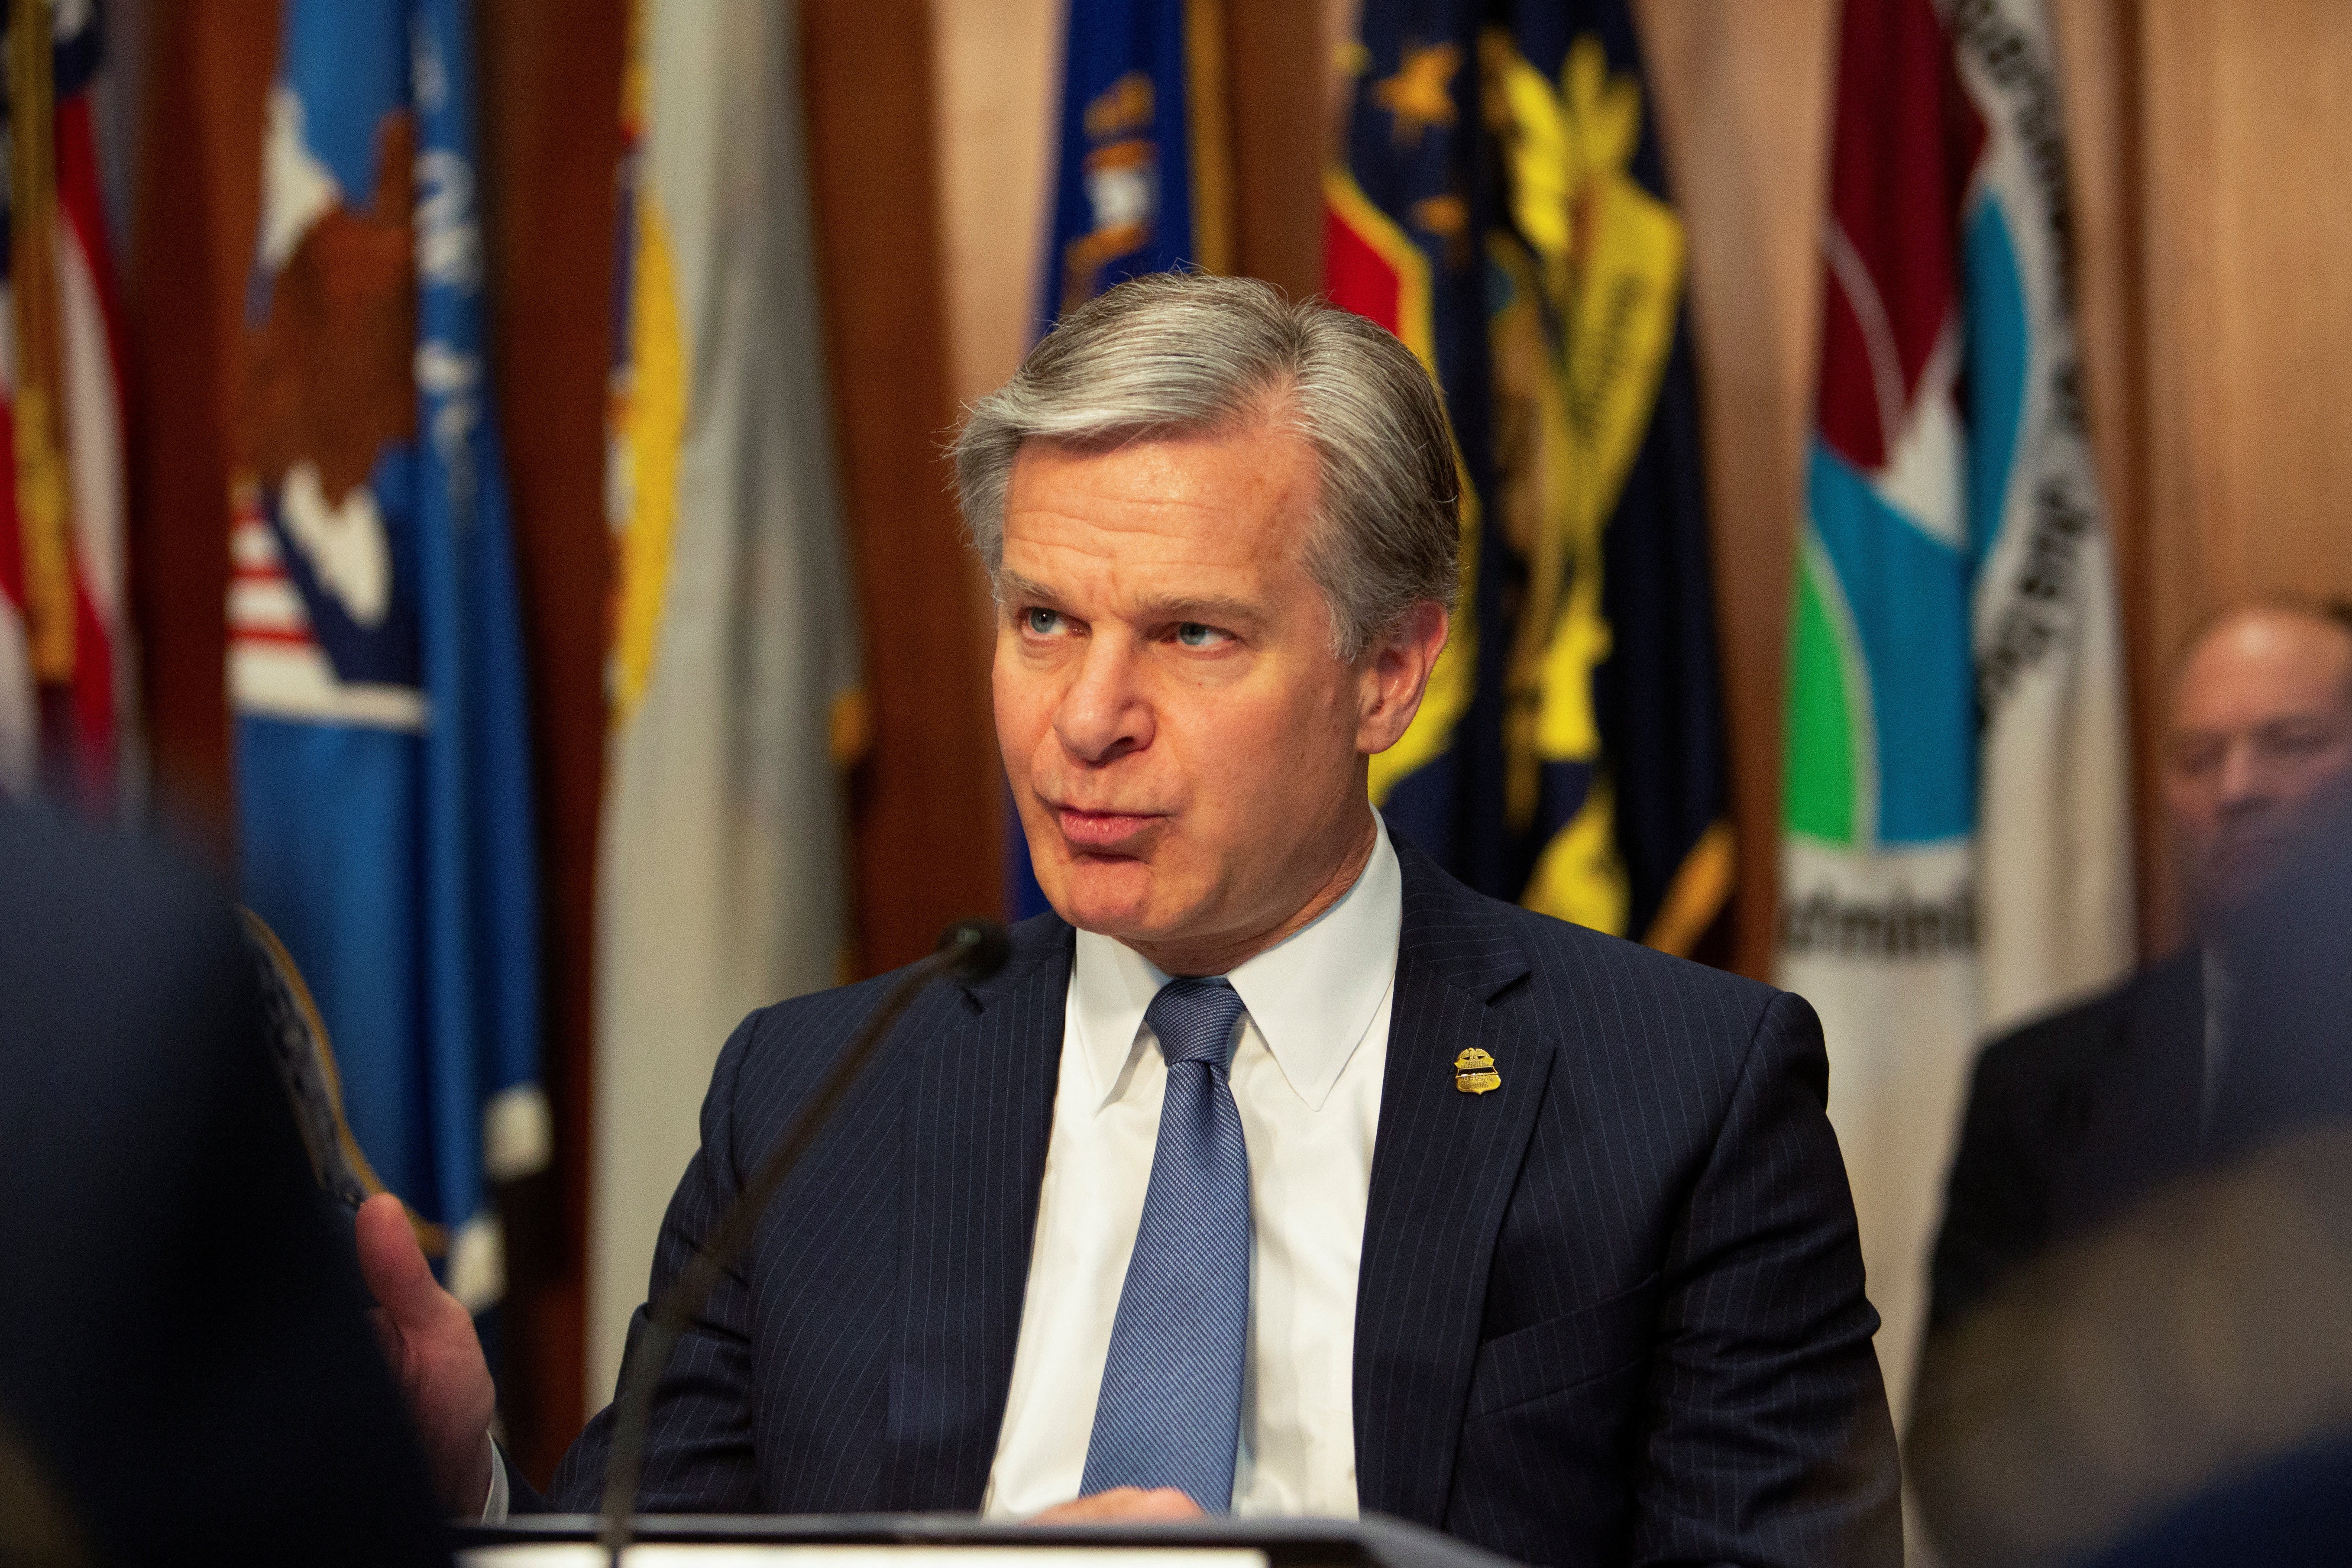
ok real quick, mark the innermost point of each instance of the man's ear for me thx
(1393, 673)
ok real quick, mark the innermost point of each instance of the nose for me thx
(1103, 715)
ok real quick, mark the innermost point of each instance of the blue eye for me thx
(1192, 634)
(1040, 621)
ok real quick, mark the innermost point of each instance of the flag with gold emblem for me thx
(1502, 209)
(1142, 184)
(66, 687)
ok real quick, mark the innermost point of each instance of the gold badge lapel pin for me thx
(1473, 1072)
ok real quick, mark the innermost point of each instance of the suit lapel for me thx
(978, 1112)
(1442, 1169)
(2148, 1097)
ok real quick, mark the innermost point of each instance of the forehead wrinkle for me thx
(1145, 604)
(1147, 540)
(1118, 521)
(1105, 475)
(1170, 484)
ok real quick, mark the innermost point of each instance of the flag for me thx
(1502, 209)
(1141, 183)
(67, 705)
(735, 699)
(1956, 850)
(374, 657)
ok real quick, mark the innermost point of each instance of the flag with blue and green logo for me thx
(1956, 853)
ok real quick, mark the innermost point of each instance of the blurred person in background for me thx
(2074, 1118)
(2140, 1283)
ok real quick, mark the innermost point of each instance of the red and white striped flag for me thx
(66, 692)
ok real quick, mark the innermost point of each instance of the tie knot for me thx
(1194, 1020)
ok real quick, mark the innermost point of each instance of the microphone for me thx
(968, 951)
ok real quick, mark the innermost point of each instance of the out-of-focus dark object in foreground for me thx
(185, 1370)
(2177, 1385)
(2289, 1513)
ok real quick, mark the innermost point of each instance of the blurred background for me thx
(487, 463)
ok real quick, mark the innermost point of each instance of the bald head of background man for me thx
(2258, 747)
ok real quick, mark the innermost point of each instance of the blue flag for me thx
(1139, 185)
(375, 667)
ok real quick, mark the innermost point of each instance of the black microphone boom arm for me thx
(970, 952)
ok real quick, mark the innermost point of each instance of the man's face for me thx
(2260, 745)
(1187, 755)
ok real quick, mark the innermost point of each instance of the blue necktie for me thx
(1171, 1410)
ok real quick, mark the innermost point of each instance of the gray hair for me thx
(1172, 354)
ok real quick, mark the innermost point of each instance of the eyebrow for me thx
(1214, 609)
(1012, 585)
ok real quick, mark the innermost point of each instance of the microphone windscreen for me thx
(976, 948)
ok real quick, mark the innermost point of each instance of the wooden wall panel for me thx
(199, 204)
(550, 147)
(997, 70)
(1741, 91)
(1275, 70)
(925, 806)
(2245, 136)
(2096, 42)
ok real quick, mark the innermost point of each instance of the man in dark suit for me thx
(1276, 1171)
(185, 1375)
(2139, 1353)
(2071, 1121)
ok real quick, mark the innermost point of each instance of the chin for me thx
(1111, 897)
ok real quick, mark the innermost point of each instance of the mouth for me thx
(1104, 832)
(2244, 860)
(2247, 863)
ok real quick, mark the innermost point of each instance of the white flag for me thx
(2055, 792)
(1957, 847)
(734, 682)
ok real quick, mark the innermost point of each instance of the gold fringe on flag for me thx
(44, 501)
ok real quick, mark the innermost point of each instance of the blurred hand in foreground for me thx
(428, 1337)
(1124, 1505)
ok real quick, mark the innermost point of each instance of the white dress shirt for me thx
(1306, 1078)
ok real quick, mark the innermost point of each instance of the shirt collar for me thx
(1312, 994)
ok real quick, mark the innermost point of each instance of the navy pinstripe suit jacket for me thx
(1612, 1312)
